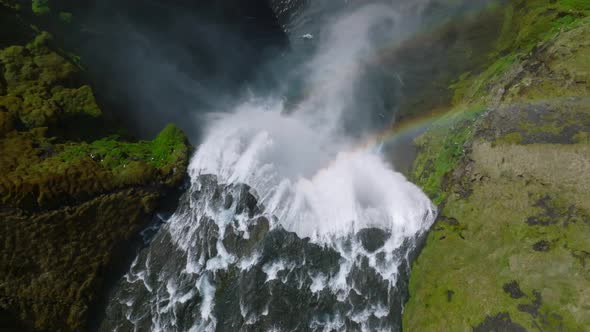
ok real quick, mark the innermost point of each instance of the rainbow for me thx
(415, 124)
(408, 127)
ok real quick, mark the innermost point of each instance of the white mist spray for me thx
(312, 179)
(306, 170)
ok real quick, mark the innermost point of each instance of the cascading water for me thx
(289, 223)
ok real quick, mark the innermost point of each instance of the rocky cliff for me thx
(508, 167)
(73, 194)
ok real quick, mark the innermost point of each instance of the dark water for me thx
(152, 62)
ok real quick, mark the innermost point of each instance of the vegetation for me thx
(508, 220)
(72, 194)
(525, 26)
(41, 88)
(40, 7)
(509, 249)
(168, 147)
(442, 148)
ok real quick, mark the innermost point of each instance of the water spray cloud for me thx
(336, 211)
(308, 171)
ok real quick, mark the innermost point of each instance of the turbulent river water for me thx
(290, 222)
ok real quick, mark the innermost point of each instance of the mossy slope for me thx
(509, 250)
(72, 193)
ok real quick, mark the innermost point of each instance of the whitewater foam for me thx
(309, 182)
(279, 200)
(308, 172)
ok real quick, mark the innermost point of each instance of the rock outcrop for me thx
(73, 194)
(234, 269)
(507, 166)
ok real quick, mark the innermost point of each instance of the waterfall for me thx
(293, 219)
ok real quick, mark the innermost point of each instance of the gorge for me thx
(357, 165)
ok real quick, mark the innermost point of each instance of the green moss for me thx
(525, 217)
(582, 137)
(65, 17)
(41, 40)
(511, 138)
(7, 122)
(43, 92)
(10, 103)
(575, 4)
(54, 264)
(40, 7)
(48, 88)
(498, 244)
(35, 66)
(470, 88)
(70, 198)
(111, 152)
(526, 25)
(168, 147)
(41, 174)
(534, 21)
(75, 101)
(441, 149)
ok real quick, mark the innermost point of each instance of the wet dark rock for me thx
(246, 297)
(537, 221)
(208, 234)
(448, 220)
(283, 299)
(246, 201)
(450, 294)
(236, 242)
(552, 122)
(513, 289)
(532, 308)
(363, 279)
(550, 216)
(555, 212)
(542, 246)
(372, 238)
(229, 201)
(501, 322)
(11, 322)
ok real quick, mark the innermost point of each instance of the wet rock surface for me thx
(253, 275)
(497, 323)
(372, 238)
(513, 289)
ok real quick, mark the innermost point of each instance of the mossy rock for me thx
(513, 212)
(43, 89)
(67, 209)
(509, 250)
(7, 122)
(40, 7)
(58, 174)
(541, 52)
(72, 194)
(441, 149)
(53, 265)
